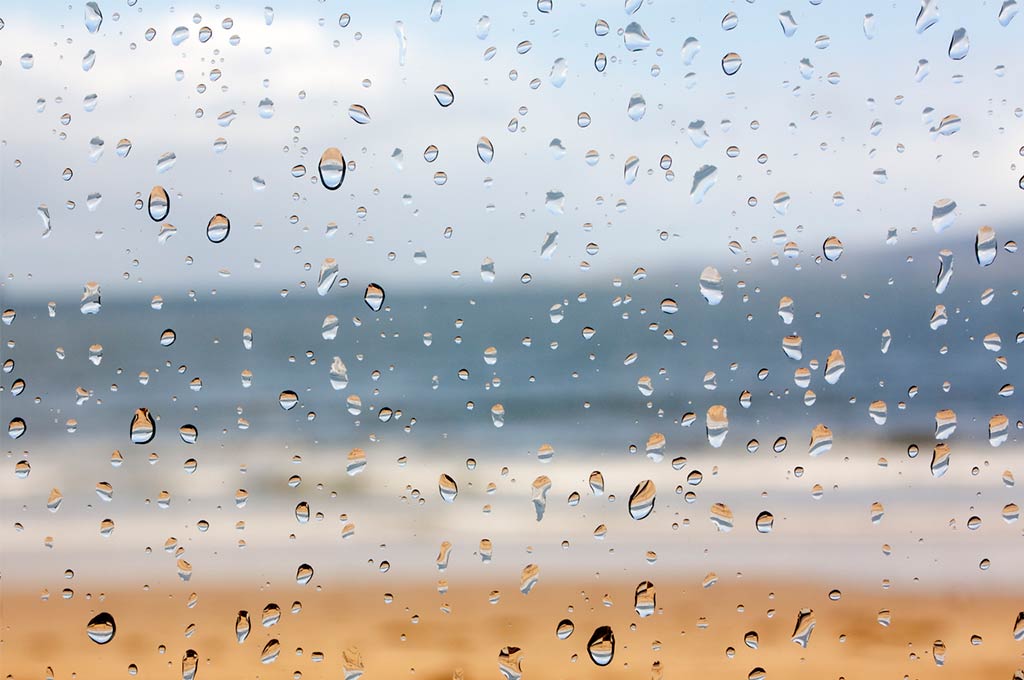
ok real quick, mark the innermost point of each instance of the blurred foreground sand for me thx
(689, 635)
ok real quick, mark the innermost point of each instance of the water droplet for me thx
(539, 495)
(444, 95)
(93, 17)
(101, 628)
(1007, 12)
(374, 297)
(448, 489)
(218, 228)
(601, 646)
(510, 661)
(731, 63)
(717, 425)
(303, 574)
(332, 168)
(959, 44)
(528, 578)
(358, 113)
(645, 599)
(242, 626)
(635, 38)
(805, 621)
(270, 652)
(328, 275)
(288, 400)
(703, 179)
(189, 665)
(16, 428)
(641, 501)
(159, 204)
(985, 246)
(564, 629)
(765, 522)
(485, 150)
(637, 107)
(142, 429)
(711, 285)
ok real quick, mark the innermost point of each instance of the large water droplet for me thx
(332, 168)
(218, 228)
(189, 665)
(731, 63)
(242, 626)
(93, 17)
(641, 501)
(645, 599)
(601, 646)
(448, 489)
(159, 203)
(374, 297)
(142, 428)
(101, 628)
(444, 95)
(959, 44)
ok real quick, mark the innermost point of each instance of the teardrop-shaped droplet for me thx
(601, 646)
(764, 522)
(641, 501)
(189, 665)
(328, 275)
(564, 629)
(448, 488)
(143, 428)
(242, 626)
(218, 228)
(159, 203)
(985, 246)
(959, 44)
(374, 297)
(101, 628)
(93, 17)
(645, 599)
(332, 168)
(270, 652)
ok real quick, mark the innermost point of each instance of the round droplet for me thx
(731, 63)
(444, 95)
(101, 628)
(288, 400)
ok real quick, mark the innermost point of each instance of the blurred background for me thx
(603, 357)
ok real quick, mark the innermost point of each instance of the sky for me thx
(816, 132)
